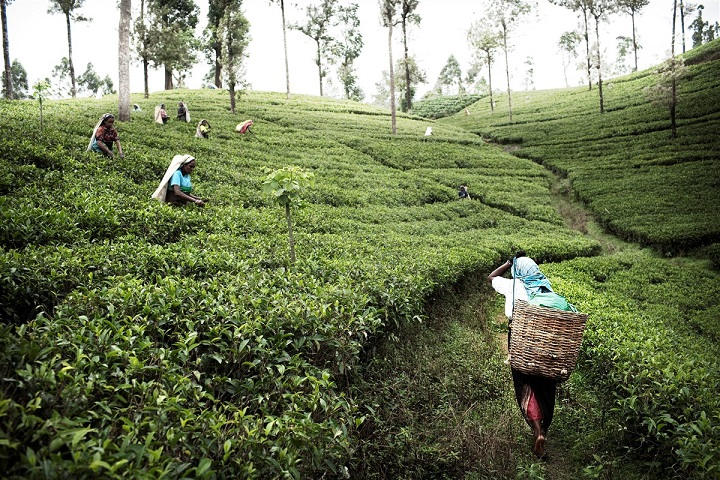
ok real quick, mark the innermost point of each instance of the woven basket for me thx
(545, 341)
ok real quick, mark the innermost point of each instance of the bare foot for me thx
(539, 447)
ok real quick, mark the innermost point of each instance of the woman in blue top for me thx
(176, 186)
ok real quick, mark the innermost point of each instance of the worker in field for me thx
(176, 186)
(103, 137)
(203, 129)
(534, 394)
(161, 115)
(183, 114)
(463, 193)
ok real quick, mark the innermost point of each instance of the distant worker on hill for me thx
(136, 108)
(535, 395)
(203, 129)
(103, 137)
(463, 193)
(161, 115)
(244, 127)
(176, 186)
(183, 113)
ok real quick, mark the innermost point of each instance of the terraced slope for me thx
(149, 341)
(643, 185)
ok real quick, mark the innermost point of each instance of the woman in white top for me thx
(535, 395)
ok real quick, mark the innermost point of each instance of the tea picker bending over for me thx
(161, 115)
(183, 112)
(203, 129)
(176, 186)
(103, 137)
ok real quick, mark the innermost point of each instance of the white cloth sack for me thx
(177, 162)
(428, 131)
(158, 117)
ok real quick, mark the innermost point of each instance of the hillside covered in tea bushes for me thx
(149, 341)
(640, 183)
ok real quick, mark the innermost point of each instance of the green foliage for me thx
(286, 184)
(650, 351)
(142, 340)
(443, 106)
(19, 81)
(623, 164)
(170, 34)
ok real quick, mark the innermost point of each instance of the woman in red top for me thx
(104, 136)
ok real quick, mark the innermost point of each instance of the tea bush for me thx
(443, 106)
(640, 183)
(650, 352)
(145, 341)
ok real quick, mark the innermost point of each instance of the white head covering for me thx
(92, 137)
(177, 162)
(158, 117)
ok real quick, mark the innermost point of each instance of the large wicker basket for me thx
(545, 341)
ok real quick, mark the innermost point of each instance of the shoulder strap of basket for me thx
(513, 288)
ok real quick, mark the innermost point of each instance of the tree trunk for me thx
(408, 97)
(168, 79)
(124, 61)
(218, 65)
(489, 62)
(632, 15)
(144, 44)
(145, 76)
(565, 64)
(587, 48)
(319, 65)
(682, 24)
(287, 70)
(231, 86)
(507, 70)
(73, 89)
(6, 51)
(392, 82)
(597, 37)
(673, 98)
(291, 239)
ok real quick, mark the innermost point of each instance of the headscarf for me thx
(533, 279)
(198, 133)
(158, 117)
(177, 162)
(187, 112)
(244, 127)
(92, 137)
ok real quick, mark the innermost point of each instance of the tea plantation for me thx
(640, 183)
(141, 340)
(443, 106)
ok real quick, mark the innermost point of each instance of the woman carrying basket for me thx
(535, 395)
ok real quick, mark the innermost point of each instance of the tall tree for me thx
(320, 18)
(18, 82)
(124, 61)
(484, 41)
(142, 45)
(624, 44)
(698, 26)
(7, 76)
(506, 14)
(451, 74)
(347, 49)
(234, 31)
(216, 11)
(583, 7)
(287, 69)
(568, 46)
(171, 36)
(600, 9)
(388, 14)
(69, 9)
(417, 76)
(407, 17)
(633, 7)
